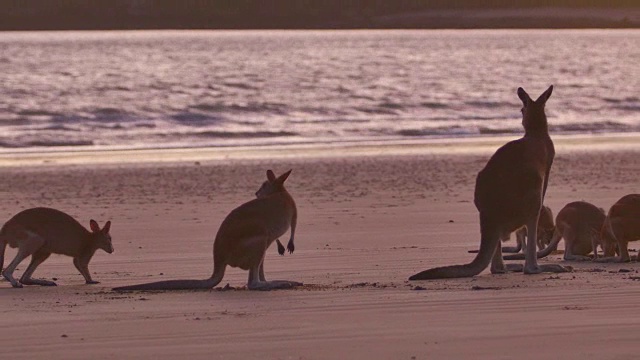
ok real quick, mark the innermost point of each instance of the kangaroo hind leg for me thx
(27, 245)
(497, 265)
(531, 260)
(261, 271)
(256, 283)
(36, 259)
(571, 238)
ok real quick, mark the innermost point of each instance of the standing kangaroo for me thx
(509, 193)
(622, 225)
(243, 239)
(40, 232)
(579, 223)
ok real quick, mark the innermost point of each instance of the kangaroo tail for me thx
(209, 283)
(512, 249)
(488, 245)
(553, 245)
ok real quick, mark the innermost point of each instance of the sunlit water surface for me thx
(246, 88)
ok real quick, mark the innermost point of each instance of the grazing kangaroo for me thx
(622, 225)
(509, 193)
(579, 223)
(243, 239)
(40, 232)
(545, 231)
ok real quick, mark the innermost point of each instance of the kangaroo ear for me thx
(545, 95)
(106, 227)
(270, 175)
(524, 96)
(94, 225)
(283, 177)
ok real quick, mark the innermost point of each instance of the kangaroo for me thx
(622, 225)
(40, 232)
(243, 238)
(546, 228)
(509, 193)
(545, 231)
(579, 223)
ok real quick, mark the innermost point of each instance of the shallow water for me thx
(218, 88)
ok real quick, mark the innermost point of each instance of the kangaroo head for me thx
(608, 240)
(545, 235)
(273, 184)
(101, 237)
(533, 117)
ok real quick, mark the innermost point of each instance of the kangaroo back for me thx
(63, 234)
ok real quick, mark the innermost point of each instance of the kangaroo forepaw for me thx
(281, 249)
(290, 247)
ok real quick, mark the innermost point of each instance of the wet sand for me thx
(367, 222)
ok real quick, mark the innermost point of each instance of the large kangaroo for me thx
(580, 224)
(623, 225)
(40, 232)
(243, 239)
(509, 194)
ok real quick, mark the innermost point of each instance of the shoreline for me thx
(396, 147)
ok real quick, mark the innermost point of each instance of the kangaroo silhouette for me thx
(40, 232)
(509, 193)
(243, 238)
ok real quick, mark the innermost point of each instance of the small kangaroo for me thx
(622, 225)
(546, 228)
(243, 238)
(580, 224)
(509, 193)
(40, 232)
(545, 231)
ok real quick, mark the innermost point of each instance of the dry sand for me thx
(367, 222)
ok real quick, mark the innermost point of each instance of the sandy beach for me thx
(368, 219)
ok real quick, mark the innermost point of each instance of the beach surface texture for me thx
(369, 217)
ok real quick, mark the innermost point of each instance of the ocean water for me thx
(146, 89)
